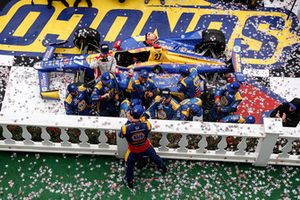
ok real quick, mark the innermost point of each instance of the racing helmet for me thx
(151, 38)
(144, 74)
(72, 88)
(106, 79)
(135, 102)
(184, 70)
(233, 86)
(195, 109)
(137, 111)
(250, 119)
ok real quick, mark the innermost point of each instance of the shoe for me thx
(89, 3)
(146, 1)
(65, 3)
(49, 6)
(162, 2)
(76, 4)
(164, 170)
(130, 185)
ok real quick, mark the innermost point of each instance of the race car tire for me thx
(214, 40)
(86, 39)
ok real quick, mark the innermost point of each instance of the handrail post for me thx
(121, 147)
(272, 127)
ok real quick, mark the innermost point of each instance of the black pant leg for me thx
(76, 3)
(65, 3)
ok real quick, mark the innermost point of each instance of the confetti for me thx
(94, 177)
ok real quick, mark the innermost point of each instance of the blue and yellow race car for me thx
(202, 50)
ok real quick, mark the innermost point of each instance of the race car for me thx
(207, 43)
(163, 71)
(202, 50)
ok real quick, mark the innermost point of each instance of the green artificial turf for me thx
(57, 176)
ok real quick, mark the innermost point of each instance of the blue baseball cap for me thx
(233, 86)
(137, 111)
(72, 88)
(135, 102)
(250, 119)
(106, 79)
(195, 109)
(104, 48)
(144, 74)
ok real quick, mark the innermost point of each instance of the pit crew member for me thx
(143, 88)
(103, 62)
(164, 106)
(105, 95)
(238, 119)
(136, 134)
(190, 110)
(227, 99)
(127, 105)
(77, 100)
(190, 84)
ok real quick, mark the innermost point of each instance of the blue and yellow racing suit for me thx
(124, 108)
(107, 105)
(160, 110)
(77, 104)
(138, 89)
(229, 101)
(234, 119)
(184, 112)
(136, 134)
(191, 86)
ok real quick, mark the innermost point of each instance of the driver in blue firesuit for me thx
(106, 95)
(190, 84)
(77, 100)
(136, 133)
(227, 99)
(238, 119)
(164, 106)
(190, 110)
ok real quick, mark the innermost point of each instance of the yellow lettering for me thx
(26, 24)
(65, 28)
(215, 25)
(115, 29)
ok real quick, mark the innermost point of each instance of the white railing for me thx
(258, 144)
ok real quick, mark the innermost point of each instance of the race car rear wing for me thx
(236, 60)
(44, 80)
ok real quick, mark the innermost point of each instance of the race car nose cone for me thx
(38, 66)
